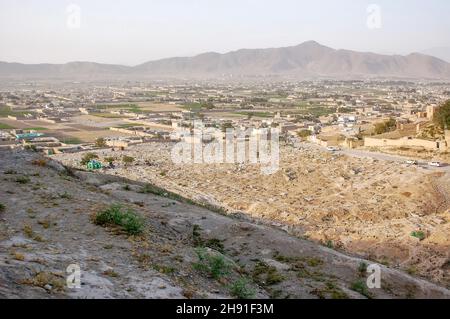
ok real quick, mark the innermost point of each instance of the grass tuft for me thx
(361, 287)
(241, 289)
(214, 265)
(128, 219)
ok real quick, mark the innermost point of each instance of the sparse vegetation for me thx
(213, 264)
(45, 223)
(23, 180)
(241, 289)
(266, 275)
(110, 160)
(40, 162)
(362, 269)
(65, 195)
(88, 157)
(213, 243)
(2, 207)
(419, 235)
(18, 256)
(167, 270)
(304, 134)
(4, 126)
(111, 273)
(125, 218)
(385, 126)
(28, 231)
(71, 141)
(47, 280)
(314, 262)
(100, 142)
(361, 287)
(330, 290)
(127, 160)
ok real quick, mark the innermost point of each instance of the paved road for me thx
(374, 155)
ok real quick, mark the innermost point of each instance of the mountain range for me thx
(309, 60)
(442, 53)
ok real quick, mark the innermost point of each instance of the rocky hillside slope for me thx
(49, 220)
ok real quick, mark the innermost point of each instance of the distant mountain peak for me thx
(307, 60)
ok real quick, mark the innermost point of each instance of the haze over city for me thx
(133, 32)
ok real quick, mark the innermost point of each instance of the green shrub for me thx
(125, 218)
(241, 289)
(213, 243)
(2, 208)
(100, 142)
(304, 134)
(23, 180)
(362, 268)
(65, 195)
(419, 234)
(127, 160)
(266, 275)
(361, 287)
(214, 265)
(385, 127)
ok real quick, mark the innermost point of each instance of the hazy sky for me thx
(135, 31)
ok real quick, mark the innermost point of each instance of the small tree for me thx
(385, 127)
(127, 160)
(100, 142)
(88, 157)
(304, 134)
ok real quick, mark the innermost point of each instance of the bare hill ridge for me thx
(305, 61)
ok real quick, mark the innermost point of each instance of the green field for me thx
(4, 126)
(37, 129)
(192, 107)
(128, 125)
(108, 115)
(129, 107)
(71, 141)
(315, 111)
(5, 111)
(256, 114)
(197, 107)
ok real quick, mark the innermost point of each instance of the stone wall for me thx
(403, 142)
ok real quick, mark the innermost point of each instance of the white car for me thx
(435, 164)
(333, 148)
(412, 162)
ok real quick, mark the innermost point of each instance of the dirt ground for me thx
(46, 224)
(361, 206)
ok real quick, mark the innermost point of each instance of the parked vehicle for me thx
(412, 162)
(435, 164)
(333, 148)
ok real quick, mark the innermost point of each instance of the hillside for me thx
(46, 224)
